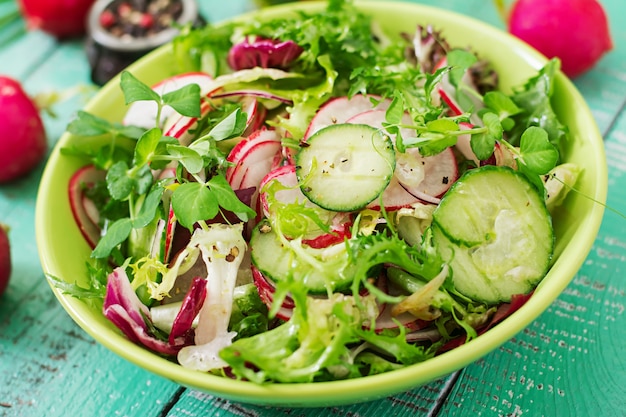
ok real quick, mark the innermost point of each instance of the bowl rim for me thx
(357, 390)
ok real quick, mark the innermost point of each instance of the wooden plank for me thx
(48, 365)
(570, 360)
(420, 401)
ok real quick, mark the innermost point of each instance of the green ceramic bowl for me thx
(63, 251)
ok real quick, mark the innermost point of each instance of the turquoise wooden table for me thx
(571, 361)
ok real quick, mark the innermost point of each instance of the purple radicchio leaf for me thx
(427, 48)
(264, 53)
(192, 303)
(124, 309)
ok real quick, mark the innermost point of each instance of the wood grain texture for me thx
(568, 362)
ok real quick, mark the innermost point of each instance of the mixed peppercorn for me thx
(139, 18)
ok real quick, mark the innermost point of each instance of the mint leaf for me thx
(193, 202)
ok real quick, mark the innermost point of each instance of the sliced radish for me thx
(253, 158)
(446, 96)
(426, 178)
(286, 175)
(439, 173)
(255, 113)
(266, 292)
(164, 238)
(448, 93)
(143, 113)
(464, 146)
(340, 109)
(84, 210)
(270, 101)
(182, 127)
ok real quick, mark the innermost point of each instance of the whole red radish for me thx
(5, 258)
(60, 18)
(23, 141)
(575, 31)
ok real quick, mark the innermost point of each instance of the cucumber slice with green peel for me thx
(344, 167)
(495, 231)
(326, 269)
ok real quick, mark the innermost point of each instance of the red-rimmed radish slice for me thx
(261, 145)
(394, 197)
(164, 238)
(339, 109)
(386, 320)
(181, 127)
(447, 92)
(464, 146)
(84, 210)
(266, 293)
(439, 173)
(143, 113)
(446, 96)
(255, 113)
(286, 175)
(269, 100)
(426, 178)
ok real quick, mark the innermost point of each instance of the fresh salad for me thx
(313, 198)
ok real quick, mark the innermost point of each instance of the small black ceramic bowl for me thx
(122, 31)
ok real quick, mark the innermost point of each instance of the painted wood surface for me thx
(571, 361)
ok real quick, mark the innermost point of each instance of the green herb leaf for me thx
(146, 146)
(534, 98)
(459, 60)
(191, 160)
(442, 126)
(120, 186)
(87, 124)
(186, 100)
(500, 104)
(135, 90)
(539, 155)
(227, 198)
(231, 126)
(116, 233)
(193, 202)
(148, 208)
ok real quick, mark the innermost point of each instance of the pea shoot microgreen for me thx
(130, 177)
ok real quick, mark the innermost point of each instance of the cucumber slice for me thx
(279, 263)
(495, 231)
(344, 167)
